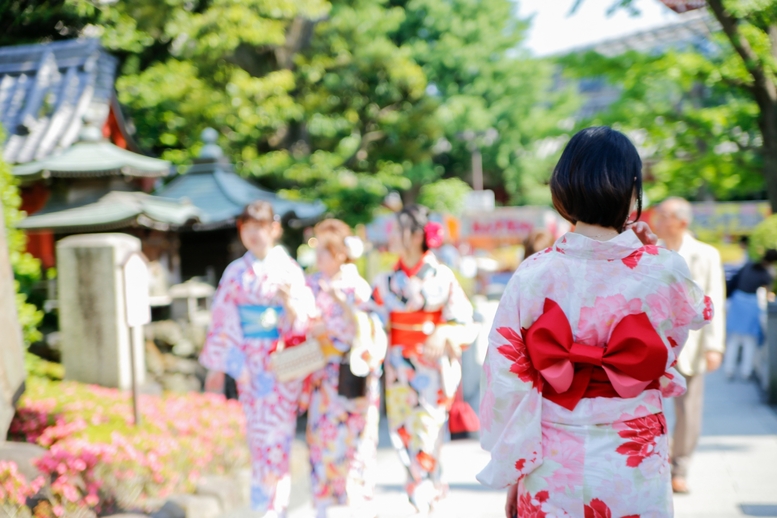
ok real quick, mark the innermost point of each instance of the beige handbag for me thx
(298, 362)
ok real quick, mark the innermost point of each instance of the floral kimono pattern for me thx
(342, 433)
(418, 395)
(270, 406)
(594, 456)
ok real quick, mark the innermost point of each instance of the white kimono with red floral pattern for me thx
(608, 456)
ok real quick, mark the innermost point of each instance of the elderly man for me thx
(703, 352)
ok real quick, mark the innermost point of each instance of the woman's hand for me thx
(284, 293)
(643, 232)
(214, 382)
(453, 351)
(435, 345)
(511, 505)
(318, 328)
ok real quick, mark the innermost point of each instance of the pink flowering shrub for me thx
(97, 460)
(14, 491)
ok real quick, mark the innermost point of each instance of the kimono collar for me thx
(276, 253)
(412, 272)
(578, 245)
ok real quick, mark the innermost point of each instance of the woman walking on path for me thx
(582, 349)
(262, 299)
(743, 320)
(430, 319)
(342, 429)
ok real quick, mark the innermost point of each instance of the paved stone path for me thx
(734, 473)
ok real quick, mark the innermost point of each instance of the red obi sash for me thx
(410, 330)
(631, 362)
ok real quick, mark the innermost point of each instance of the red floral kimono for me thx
(580, 357)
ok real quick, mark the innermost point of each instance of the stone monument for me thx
(95, 336)
(12, 372)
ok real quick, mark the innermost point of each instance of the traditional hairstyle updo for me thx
(335, 236)
(258, 210)
(414, 218)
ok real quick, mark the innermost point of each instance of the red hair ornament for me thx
(434, 235)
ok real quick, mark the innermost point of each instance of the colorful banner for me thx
(719, 219)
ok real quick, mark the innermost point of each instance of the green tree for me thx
(25, 267)
(700, 136)
(321, 104)
(746, 62)
(30, 21)
(368, 125)
(445, 196)
(477, 70)
(342, 100)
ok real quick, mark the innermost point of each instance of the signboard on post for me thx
(136, 283)
(137, 303)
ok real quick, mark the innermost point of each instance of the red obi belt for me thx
(410, 330)
(631, 362)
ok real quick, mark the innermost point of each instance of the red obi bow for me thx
(634, 357)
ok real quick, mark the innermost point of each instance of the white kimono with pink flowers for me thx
(607, 456)
(235, 345)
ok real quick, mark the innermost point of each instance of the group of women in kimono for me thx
(581, 354)
(264, 299)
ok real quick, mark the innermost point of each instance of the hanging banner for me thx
(682, 6)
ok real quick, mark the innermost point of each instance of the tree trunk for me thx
(770, 176)
(763, 89)
(767, 123)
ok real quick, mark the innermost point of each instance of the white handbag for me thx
(298, 362)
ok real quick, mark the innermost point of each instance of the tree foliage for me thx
(478, 71)
(699, 136)
(342, 100)
(26, 268)
(745, 61)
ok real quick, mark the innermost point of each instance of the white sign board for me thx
(136, 296)
(480, 201)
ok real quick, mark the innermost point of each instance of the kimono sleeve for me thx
(458, 309)
(511, 400)
(691, 308)
(222, 350)
(374, 303)
(303, 301)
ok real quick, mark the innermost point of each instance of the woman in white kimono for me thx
(582, 351)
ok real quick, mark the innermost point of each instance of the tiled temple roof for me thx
(47, 91)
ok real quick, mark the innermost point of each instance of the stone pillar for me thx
(92, 312)
(12, 372)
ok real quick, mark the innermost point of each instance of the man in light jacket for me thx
(703, 352)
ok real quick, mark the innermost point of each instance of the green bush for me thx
(446, 196)
(763, 238)
(26, 268)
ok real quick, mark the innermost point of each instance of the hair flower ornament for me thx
(434, 234)
(354, 247)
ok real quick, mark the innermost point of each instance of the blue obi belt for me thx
(260, 322)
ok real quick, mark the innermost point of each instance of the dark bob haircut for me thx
(597, 177)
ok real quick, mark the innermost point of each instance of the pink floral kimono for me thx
(580, 357)
(342, 433)
(419, 392)
(248, 322)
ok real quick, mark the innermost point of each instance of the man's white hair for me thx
(681, 208)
